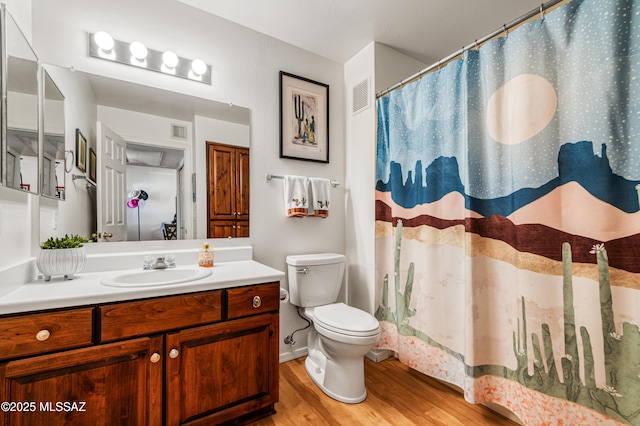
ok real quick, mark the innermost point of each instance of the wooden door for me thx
(222, 182)
(222, 371)
(222, 228)
(111, 190)
(112, 384)
(242, 229)
(242, 184)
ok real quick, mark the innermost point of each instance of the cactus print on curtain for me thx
(508, 222)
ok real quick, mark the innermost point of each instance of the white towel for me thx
(320, 197)
(296, 196)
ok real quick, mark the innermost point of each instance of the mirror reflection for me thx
(147, 143)
(53, 155)
(21, 147)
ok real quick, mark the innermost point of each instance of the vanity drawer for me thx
(253, 300)
(47, 332)
(124, 320)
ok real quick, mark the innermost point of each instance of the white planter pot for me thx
(61, 262)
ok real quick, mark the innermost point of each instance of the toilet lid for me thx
(346, 319)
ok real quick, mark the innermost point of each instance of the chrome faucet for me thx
(159, 262)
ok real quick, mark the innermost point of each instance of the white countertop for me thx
(86, 289)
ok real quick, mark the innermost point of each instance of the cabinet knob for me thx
(155, 357)
(257, 301)
(43, 335)
(173, 353)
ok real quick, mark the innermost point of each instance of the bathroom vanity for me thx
(204, 352)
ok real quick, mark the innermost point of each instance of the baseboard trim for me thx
(378, 355)
(296, 353)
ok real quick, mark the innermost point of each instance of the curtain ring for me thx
(65, 160)
(542, 11)
(476, 45)
(506, 32)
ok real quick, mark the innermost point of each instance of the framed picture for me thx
(92, 165)
(81, 151)
(304, 119)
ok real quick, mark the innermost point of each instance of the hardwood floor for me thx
(396, 395)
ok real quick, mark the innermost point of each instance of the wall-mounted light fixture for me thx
(103, 46)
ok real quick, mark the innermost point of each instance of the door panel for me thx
(111, 189)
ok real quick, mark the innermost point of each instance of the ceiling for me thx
(426, 30)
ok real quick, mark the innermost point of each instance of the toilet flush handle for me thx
(304, 270)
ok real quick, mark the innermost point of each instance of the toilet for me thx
(341, 335)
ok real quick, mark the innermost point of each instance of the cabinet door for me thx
(222, 229)
(242, 229)
(118, 383)
(222, 181)
(221, 372)
(242, 185)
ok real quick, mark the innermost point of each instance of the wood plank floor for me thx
(396, 395)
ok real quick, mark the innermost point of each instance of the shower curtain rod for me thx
(488, 37)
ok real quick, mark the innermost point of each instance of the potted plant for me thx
(62, 256)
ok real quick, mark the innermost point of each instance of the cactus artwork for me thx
(402, 313)
(298, 110)
(619, 398)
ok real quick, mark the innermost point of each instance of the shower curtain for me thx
(508, 223)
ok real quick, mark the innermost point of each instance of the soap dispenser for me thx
(206, 257)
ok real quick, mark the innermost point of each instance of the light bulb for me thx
(138, 50)
(170, 59)
(198, 67)
(104, 40)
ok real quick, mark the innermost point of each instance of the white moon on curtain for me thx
(521, 109)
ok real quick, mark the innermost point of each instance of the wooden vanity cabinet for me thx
(118, 383)
(194, 359)
(226, 371)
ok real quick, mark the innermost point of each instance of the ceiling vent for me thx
(361, 96)
(178, 132)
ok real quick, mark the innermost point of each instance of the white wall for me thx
(246, 67)
(21, 12)
(383, 67)
(160, 186)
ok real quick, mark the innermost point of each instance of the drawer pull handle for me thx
(257, 301)
(155, 357)
(173, 353)
(43, 335)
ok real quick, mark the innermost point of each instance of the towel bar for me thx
(334, 183)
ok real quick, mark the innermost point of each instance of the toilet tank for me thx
(315, 279)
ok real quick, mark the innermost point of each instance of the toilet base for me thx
(316, 369)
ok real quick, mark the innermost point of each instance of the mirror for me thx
(21, 129)
(53, 152)
(165, 135)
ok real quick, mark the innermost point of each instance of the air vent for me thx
(178, 132)
(361, 96)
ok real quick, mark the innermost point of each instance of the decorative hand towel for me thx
(296, 196)
(320, 196)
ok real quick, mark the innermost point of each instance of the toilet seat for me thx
(346, 320)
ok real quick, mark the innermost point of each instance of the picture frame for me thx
(93, 160)
(81, 151)
(304, 119)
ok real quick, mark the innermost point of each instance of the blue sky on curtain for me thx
(507, 218)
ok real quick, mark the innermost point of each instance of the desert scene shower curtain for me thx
(508, 223)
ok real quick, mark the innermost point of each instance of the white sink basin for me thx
(156, 277)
